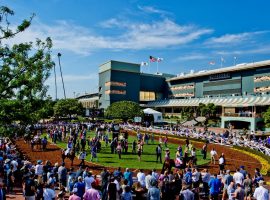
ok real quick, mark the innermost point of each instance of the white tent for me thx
(157, 115)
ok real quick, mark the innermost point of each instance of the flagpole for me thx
(157, 67)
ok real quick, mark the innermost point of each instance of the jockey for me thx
(167, 154)
(36, 138)
(69, 147)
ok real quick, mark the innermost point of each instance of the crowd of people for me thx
(227, 137)
(46, 180)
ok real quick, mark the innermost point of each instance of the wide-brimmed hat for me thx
(167, 149)
(7, 160)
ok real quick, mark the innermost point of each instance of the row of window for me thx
(122, 92)
(262, 89)
(188, 94)
(261, 79)
(89, 104)
(115, 83)
(183, 87)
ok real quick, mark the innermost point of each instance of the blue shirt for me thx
(81, 187)
(215, 185)
(128, 176)
(188, 178)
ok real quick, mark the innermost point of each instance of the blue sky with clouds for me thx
(188, 34)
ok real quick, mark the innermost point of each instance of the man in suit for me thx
(158, 153)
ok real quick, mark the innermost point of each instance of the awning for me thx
(219, 101)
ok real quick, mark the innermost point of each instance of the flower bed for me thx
(263, 159)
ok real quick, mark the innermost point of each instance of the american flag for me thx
(159, 59)
(152, 59)
(212, 63)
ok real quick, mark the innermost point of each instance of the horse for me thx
(167, 165)
(27, 138)
(70, 155)
(36, 142)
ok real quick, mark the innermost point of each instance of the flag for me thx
(152, 59)
(212, 63)
(159, 59)
(144, 63)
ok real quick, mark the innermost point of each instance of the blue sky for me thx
(187, 34)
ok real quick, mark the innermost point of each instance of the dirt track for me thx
(233, 159)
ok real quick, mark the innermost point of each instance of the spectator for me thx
(80, 187)
(126, 195)
(62, 175)
(128, 175)
(141, 177)
(74, 195)
(205, 179)
(248, 186)
(186, 193)
(92, 193)
(261, 193)
(49, 193)
(239, 192)
(238, 177)
(89, 179)
(153, 192)
(215, 187)
(29, 188)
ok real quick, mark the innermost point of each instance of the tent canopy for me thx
(157, 115)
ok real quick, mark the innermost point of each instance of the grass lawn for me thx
(148, 159)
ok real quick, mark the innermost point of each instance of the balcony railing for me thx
(242, 114)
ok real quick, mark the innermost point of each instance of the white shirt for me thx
(261, 193)
(221, 161)
(195, 176)
(15, 164)
(117, 185)
(39, 169)
(48, 194)
(141, 178)
(88, 181)
(238, 178)
(213, 152)
(147, 181)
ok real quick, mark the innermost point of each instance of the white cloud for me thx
(151, 9)
(254, 50)
(134, 36)
(234, 38)
(191, 57)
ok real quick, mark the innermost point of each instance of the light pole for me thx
(55, 84)
(59, 55)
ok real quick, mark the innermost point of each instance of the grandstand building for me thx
(241, 92)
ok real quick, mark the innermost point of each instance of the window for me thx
(147, 96)
(122, 92)
(261, 79)
(114, 83)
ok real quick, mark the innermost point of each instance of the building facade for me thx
(241, 92)
(120, 81)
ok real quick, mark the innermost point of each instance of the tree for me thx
(266, 117)
(23, 70)
(124, 110)
(67, 107)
